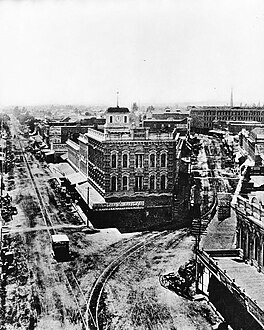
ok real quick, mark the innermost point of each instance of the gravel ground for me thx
(134, 298)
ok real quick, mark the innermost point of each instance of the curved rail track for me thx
(93, 304)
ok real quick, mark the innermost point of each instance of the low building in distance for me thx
(55, 133)
(204, 118)
(167, 120)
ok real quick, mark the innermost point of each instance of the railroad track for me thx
(45, 214)
(51, 231)
(93, 305)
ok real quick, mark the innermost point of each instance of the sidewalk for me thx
(220, 234)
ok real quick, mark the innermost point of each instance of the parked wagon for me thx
(60, 246)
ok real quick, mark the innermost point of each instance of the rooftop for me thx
(117, 109)
(60, 238)
(258, 132)
(179, 120)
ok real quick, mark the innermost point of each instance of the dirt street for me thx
(44, 294)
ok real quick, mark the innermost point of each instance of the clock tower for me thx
(117, 118)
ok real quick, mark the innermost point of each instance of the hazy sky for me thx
(161, 51)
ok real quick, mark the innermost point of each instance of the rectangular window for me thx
(139, 161)
(138, 183)
(125, 183)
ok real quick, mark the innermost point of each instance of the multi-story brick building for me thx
(166, 114)
(204, 117)
(56, 133)
(252, 142)
(129, 165)
(182, 126)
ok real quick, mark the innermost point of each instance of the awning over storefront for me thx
(64, 156)
(48, 152)
(76, 178)
(63, 169)
(89, 194)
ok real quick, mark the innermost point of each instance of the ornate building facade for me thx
(128, 164)
(249, 207)
(252, 142)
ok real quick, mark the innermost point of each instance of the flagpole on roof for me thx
(117, 99)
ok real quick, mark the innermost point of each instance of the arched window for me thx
(113, 161)
(113, 183)
(163, 159)
(125, 160)
(125, 182)
(163, 182)
(152, 160)
(152, 182)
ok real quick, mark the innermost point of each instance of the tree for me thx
(134, 107)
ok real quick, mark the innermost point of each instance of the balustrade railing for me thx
(250, 305)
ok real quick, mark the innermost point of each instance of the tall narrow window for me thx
(163, 182)
(163, 160)
(262, 254)
(138, 183)
(256, 243)
(152, 182)
(125, 160)
(111, 119)
(152, 160)
(139, 160)
(125, 119)
(248, 246)
(125, 183)
(113, 183)
(113, 161)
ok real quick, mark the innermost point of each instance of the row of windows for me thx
(118, 118)
(139, 160)
(139, 183)
(250, 117)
